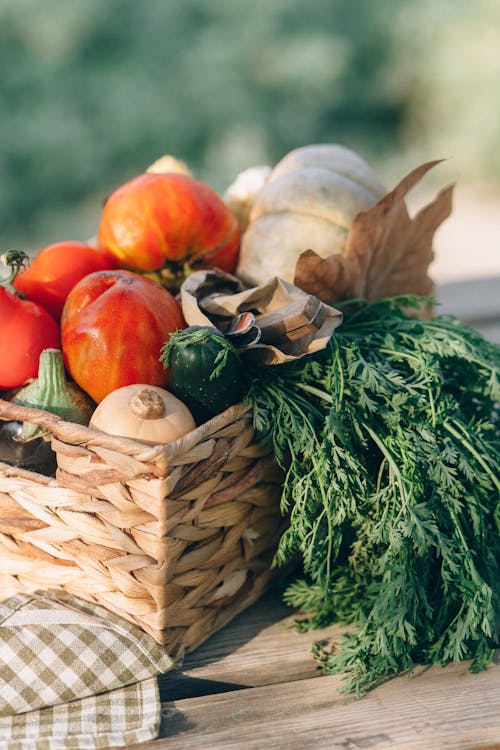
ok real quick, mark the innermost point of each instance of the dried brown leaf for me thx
(387, 252)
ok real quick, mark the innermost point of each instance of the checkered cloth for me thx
(73, 675)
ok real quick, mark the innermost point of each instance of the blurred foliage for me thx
(91, 92)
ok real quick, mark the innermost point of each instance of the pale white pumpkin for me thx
(308, 202)
(143, 412)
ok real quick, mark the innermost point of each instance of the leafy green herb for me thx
(196, 335)
(390, 439)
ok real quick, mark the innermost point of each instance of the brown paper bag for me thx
(277, 321)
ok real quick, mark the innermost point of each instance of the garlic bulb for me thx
(168, 163)
(241, 194)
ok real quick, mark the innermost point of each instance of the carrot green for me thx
(390, 441)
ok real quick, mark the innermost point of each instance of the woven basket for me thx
(177, 538)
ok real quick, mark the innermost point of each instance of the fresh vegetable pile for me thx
(389, 437)
(109, 310)
(391, 441)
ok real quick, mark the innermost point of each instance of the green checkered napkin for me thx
(73, 675)
(116, 719)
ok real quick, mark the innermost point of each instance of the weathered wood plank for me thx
(260, 647)
(490, 330)
(473, 301)
(436, 709)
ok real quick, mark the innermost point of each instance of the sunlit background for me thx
(91, 92)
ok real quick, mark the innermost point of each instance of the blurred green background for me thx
(91, 92)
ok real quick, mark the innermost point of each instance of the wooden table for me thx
(254, 685)
(475, 302)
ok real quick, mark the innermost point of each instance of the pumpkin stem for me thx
(147, 404)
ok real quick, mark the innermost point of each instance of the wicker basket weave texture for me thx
(177, 538)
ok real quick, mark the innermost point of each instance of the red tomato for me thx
(113, 326)
(26, 329)
(56, 269)
(170, 223)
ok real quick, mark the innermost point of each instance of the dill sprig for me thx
(390, 440)
(193, 336)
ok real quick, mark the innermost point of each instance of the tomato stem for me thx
(15, 261)
(171, 274)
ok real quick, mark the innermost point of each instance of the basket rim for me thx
(158, 453)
